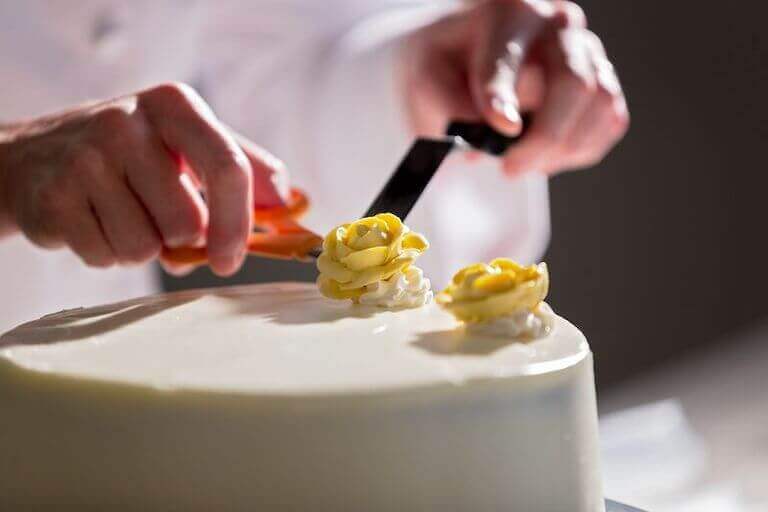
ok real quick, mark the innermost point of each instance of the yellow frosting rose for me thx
(364, 252)
(482, 292)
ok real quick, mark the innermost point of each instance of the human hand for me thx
(116, 180)
(498, 58)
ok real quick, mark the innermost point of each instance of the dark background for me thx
(662, 248)
(659, 250)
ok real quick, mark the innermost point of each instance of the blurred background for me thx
(660, 251)
(659, 255)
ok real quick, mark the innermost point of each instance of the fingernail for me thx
(177, 241)
(199, 241)
(185, 240)
(228, 266)
(177, 270)
(506, 109)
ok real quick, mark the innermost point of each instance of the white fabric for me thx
(311, 81)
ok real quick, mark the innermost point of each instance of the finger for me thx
(85, 237)
(437, 92)
(271, 183)
(569, 14)
(126, 225)
(189, 128)
(168, 194)
(571, 84)
(606, 120)
(497, 62)
(180, 269)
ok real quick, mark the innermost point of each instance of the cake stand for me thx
(612, 506)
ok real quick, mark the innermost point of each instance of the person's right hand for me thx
(116, 180)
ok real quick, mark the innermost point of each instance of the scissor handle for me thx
(483, 137)
(295, 208)
(281, 236)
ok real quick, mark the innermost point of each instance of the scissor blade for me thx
(411, 177)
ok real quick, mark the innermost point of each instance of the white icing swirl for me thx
(521, 324)
(405, 289)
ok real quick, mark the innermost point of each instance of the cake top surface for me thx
(275, 339)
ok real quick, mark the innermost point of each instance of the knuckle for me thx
(50, 200)
(571, 14)
(83, 162)
(115, 118)
(177, 92)
(557, 20)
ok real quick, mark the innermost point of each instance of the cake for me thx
(360, 394)
(271, 397)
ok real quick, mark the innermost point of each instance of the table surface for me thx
(723, 391)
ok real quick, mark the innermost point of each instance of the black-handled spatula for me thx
(423, 159)
(420, 164)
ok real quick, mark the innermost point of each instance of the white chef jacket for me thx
(312, 81)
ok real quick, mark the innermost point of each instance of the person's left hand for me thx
(499, 58)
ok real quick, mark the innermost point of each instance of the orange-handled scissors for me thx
(279, 235)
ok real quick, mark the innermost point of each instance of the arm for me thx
(116, 180)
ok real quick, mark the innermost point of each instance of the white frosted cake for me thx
(272, 397)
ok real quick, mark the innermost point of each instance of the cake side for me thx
(485, 447)
(179, 401)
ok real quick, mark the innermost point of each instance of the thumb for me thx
(500, 51)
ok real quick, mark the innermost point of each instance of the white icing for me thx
(409, 289)
(280, 338)
(523, 324)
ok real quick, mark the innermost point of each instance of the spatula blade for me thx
(411, 177)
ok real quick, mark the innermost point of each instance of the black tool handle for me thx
(481, 136)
